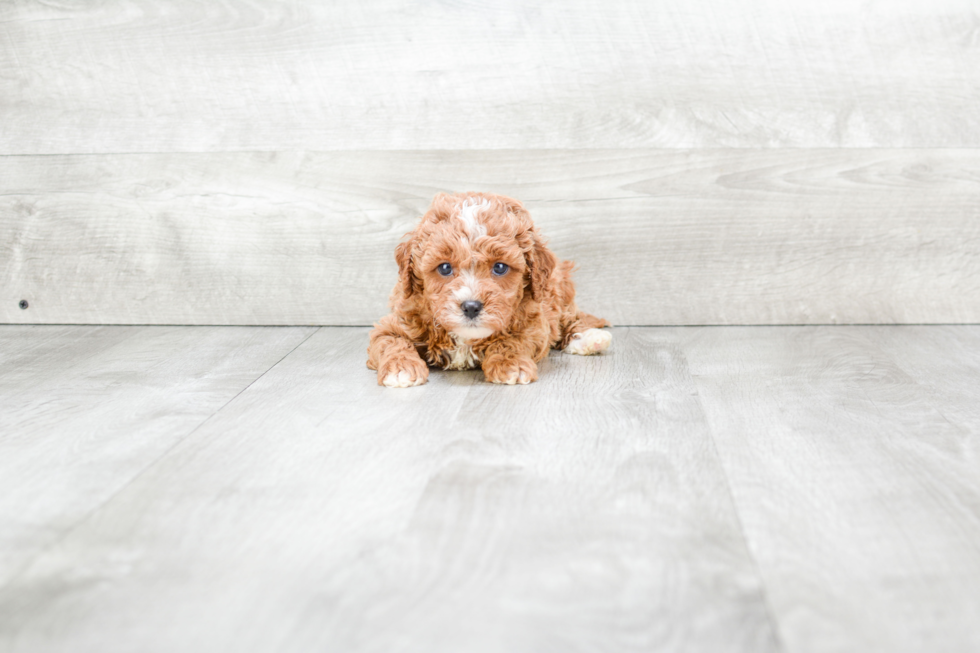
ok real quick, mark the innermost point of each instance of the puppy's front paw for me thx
(515, 371)
(403, 373)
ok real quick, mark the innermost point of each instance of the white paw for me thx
(403, 379)
(518, 378)
(589, 342)
(515, 372)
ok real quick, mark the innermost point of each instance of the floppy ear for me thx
(541, 262)
(407, 284)
(538, 258)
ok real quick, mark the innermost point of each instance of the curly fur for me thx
(526, 312)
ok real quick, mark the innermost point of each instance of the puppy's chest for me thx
(461, 357)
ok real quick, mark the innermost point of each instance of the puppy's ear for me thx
(407, 284)
(541, 262)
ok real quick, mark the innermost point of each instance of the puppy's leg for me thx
(400, 366)
(396, 360)
(580, 332)
(510, 362)
(583, 335)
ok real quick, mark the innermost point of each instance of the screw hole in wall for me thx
(23, 304)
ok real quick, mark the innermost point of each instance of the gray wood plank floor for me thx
(87, 409)
(694, 489)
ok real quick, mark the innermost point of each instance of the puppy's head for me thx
(471, 262)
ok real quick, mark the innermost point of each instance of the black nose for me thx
(471, 308)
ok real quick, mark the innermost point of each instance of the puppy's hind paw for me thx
(589, 342)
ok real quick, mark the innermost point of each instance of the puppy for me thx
(477, 287)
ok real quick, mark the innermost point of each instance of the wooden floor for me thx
(695, 489)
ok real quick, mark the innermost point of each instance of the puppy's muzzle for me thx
(471, 308)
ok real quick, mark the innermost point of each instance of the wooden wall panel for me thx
(661, 236)
(238, 162)
(216, 75)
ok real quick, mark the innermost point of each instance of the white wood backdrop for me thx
(752, 162)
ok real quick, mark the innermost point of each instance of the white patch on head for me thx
(589, 342)
(462, 357)
(468, 214)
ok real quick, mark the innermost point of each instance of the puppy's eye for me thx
(500, 269)
(445, 269)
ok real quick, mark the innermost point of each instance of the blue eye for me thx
(500, 269)
(445, 269)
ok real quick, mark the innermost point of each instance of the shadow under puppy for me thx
(477, 287)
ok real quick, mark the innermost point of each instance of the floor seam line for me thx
(10, 581)
(770, 615)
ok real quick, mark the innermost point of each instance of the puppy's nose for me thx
(471, 308)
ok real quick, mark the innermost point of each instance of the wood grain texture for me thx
(318, 511)
(85, 410)
(853, 460)
(207, 75)
(948, 363)
(661, 237)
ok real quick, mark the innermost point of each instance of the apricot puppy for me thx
(477, 287)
